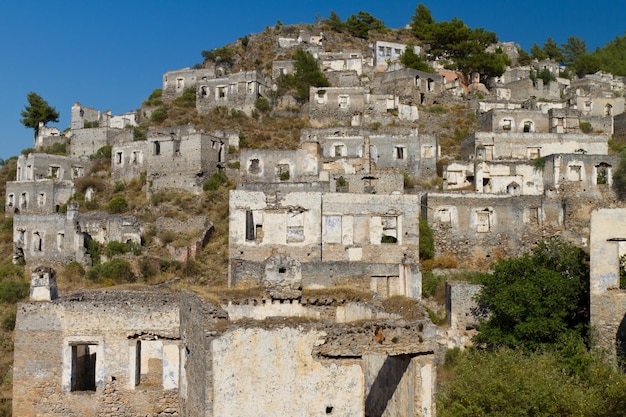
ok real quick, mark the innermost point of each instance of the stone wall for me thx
(480, 228)
(486, 145)
(608, 300)
(111, 323)
(86, 142)
(37, 197)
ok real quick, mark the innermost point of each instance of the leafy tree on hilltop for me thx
(572, 49)
(458, 43)
(306, 74)
(38, 111)
(537, 52)
(538, 300)
(412, 60)
(360, 24)
(523, 58)
(421, 22)
(611, 58)
(553, 50)
(335, 23)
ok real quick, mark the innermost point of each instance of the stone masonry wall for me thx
(45, 333)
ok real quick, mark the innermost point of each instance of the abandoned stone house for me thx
(47, 136)
(479, 227)
(386, 53)
(175, 82)
(129, 160)
(341, 61)
(137, 353)
(410, 85)
(237, 91)
(356, 106)
(530, 145)
(43, 183)
(58, 238)
(91, 130)
(337, 238)
(179, 158)
(608, 297)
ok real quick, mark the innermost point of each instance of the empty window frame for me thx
(399, 152)
(344, 101)
(83, 373)
(390, 229)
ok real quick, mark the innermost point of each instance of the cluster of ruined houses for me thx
(333, 212)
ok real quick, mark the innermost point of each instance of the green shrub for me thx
(115, 248)
(154, 99)
(117, 205)
(7, 224)
(585, 127)
(426, 242)
(431, 284)
(187, 99)
(216, 180)
(13, 291)
(59, 148)
(8, 321)
(9, 270)
(436, 109)
(102, 153)
(234, 165)
(284, 176)
(262, 105)
(116, 271)
(94, 250)
(158, 115)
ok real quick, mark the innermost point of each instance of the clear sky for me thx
(111, 55)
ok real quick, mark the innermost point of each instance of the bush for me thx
(432, 284)
(59, 148)
(187, 100)
(8, 270)
(426, 242)
(216, 180)
(585, 127)
(117, 205)
(117, 271)
(8, 321)
(74, 272)
(154, 99)
(262, 105)
(13, 291)
(116, 248)
(158, 115)
(102, 153)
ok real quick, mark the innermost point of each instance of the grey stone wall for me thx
(111, 322)
(479, 228)
(36, 197)
(86, 142)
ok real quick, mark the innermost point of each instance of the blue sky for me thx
(111, 55)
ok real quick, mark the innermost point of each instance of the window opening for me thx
(83, 367)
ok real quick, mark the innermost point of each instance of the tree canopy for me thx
(306, 74)
(361, 23)
(410, 59)
(464, 47)
(537, 300)
(38, 111)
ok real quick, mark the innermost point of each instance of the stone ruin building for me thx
(136, 353)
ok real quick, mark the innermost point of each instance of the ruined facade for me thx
(131, 353)
(607, 296)
(369, 241)
(43, 183)
(237, 91)
(180, 158)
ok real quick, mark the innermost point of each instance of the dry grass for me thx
(405, 307)
(445, 261)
